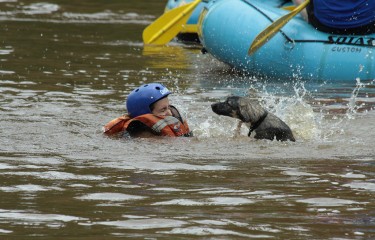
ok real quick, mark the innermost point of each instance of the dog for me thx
(265, 124)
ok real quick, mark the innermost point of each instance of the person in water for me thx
(149, 114)
(355, 17)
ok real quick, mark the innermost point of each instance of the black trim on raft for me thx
(283, 3)
(269, 18)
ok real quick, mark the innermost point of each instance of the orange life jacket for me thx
(163, 126)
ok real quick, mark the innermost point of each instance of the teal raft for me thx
(227, 28)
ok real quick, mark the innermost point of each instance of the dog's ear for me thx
(250, 110)
(232, 101)
(244, 109)
(244, 113)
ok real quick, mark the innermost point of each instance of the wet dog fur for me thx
(265, 124)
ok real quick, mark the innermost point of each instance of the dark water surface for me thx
(65, 70)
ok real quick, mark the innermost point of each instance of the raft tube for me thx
(227, 28)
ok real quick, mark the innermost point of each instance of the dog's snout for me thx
(221, 108)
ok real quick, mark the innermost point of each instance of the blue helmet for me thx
(140, 99)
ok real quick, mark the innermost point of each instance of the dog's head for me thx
(242, 108)
(228, 108)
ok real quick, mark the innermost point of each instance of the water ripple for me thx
(40, 8)
(29, 188)
(18, 215)
(54, 175)
(151, 223)
(110, 197)
(361, 185)
(327, 202)
(205, 231)
(35, 11)
(215, 201)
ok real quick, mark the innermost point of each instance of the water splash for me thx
(353, 107)
(295, 110)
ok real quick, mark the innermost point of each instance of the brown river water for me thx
(66, 68)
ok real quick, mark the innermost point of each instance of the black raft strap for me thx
(257, 123)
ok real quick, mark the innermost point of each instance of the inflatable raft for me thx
(189, 32)
(227, 28)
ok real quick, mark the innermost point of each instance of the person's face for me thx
(161, 108)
